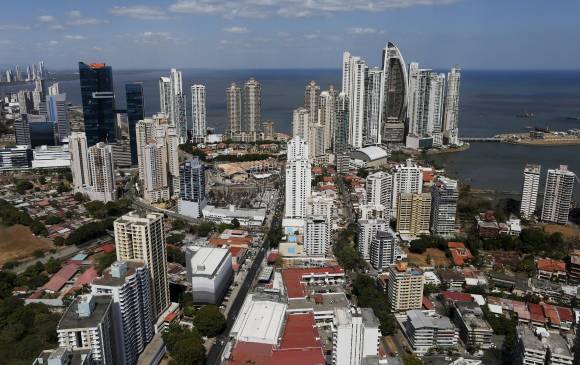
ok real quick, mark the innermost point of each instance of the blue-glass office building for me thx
(135, 113)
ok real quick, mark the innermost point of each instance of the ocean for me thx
(490, 102)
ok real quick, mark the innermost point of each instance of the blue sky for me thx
(477, 34)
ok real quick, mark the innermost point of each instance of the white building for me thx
(165, 95)
(327, 115)
(234, 109)
(373, 85)
(558, 195)
(155, 175)
(209, 270)
(407, 178)
(530, 188)
(379, 190)
(141, 238)
(444, 195)
(321, 204)
(436, 101)
(260, 320)
(317, 236)
(367, 230)
(127, 282)
(298, 178)
(451, 123)
(198, 114)
(301, 124)
(87, 324)
(354, 73)
(246, 217)
(312, 101)
(79, 161)
(49, 157)
(252, 112)
(405, 288)
(426, 330)
(356, 335)
(101, 173)
(177, 105)
(530, 350)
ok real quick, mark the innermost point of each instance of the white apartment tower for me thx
(252, 121)
(451, 126)
(177, 107)
(127, 282)
(327, 115)
(101, 173)
(373, 84)
(354, 73)
(405, 288)
(367, 230)
(436, 102)
(165, 95)
(79, 161)
(379, 190)
(558, 195)
(444, 194)
(155, 174)
(530, 188)
(141, 237)
(298, 178)
(301, 123)
(234, 109)
(312, 101)
(198, 113)
(317, 236)
(356, 336)
(418, 111)
(407, 178)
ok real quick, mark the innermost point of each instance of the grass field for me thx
(437, 258)
(567, 231)
(17, 242)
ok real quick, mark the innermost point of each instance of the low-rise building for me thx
(246, 217)
(530, 350)
(260, 320)
(210, 272)
(551, 269)
(356, 335)
(474, 330)
(426, 330)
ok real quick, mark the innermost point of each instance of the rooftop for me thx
(422, 319)
(260, 320)
(293, 278)
(107, 279)
(72, 320)
(60, 278)
(551, 265)
(206, 261)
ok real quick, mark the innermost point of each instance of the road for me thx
(345, 198)
(214, 355)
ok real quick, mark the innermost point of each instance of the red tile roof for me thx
(170, 317)
(250, 353)
(552, 314)
(457, 297)
(427, 303)
(60, 278)
(565, 314)
(455, 245)
(460, 255)
(537, 313)
(551, 265)
(86, 277)
(293, 278)
(300, 332)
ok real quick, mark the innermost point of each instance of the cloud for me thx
(47, 19)
(76, 18)
(311, 36)
(140, 12)
(236, 30)
(292, 8)
(56, 27)
(361, 31)
(75, 37)
(14, 27)
(150, 38)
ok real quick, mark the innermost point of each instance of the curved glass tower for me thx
(395, 79)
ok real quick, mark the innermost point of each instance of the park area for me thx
(17, 242)
(431, 257)
(569, 232)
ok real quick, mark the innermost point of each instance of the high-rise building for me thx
(165, 95)
(177, 107)
(355, 337)
(79, 161)
(192, 188)
(54, 89)
(405, 289)
(234, 109)
(87, 324)
(316, 236)
(301, 124)
(156, 186)
(327, 115)
(451, 123)
(252, 121)
(198, 115)
(127, 282)
(101, 173)
(367, 230)
(140, 237)
(373, 84)
(418, 107)
(268, 129)
(383, 250)
(407, 178)
(530, 189)
(135, 113)
(25, 102)
(394, 92)
(98, 100)
(558, 195)
(341, 130)
(312, 101)
(379, 190)
(445, 195)
(298, 178)
(354, 74)
(55, 109)
(435, 117)
(413, 214)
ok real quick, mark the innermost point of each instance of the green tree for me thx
(184, 346)
(53, 219)
(209, 321)
(105, 261)
(174, 254)
(52, 265)
(362, 172)
(412, 360)
(235, 223)
(22, 186)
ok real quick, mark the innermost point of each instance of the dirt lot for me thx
(437, 258)
(17, 242)
(567, 231)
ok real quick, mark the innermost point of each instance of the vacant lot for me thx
(567, 231)
(17, 242)
(437, 258)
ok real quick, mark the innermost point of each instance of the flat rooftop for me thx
(206, 261)
(108, 280)
(71, 319)
(260, 320)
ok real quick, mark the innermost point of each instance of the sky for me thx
(249, 34)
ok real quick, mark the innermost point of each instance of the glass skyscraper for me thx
(98, 102)
(135, 107)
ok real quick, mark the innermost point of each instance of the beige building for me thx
(405, 288)
(141, 237)
(101, 173)
(413, 214)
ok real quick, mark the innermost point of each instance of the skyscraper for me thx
(407, 178)
(101, 173)
(177, 107)
(298, 178)
(165, 95)
(340, 144)
(558, 195)
(379, 190)
(57, 111)
(79, 161)
(140, 237)
(192, 188)
(435, 117)
(418, 111)
(530, 189)
(312, 101)
(252, 121)
(301, 124)
(444, 195)
(98, 100)
(234, 109)
(367, 230)
(451, 126)
(354, 74)
(127, 282)
(198, 119)
(135, 113)
(373, 84)
(156, 187)
(327, 115)
(393, 95)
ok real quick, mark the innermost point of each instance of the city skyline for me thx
(277, 34)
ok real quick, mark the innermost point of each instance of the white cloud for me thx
(56, 27)
(236, 30)
(53, 43)
(311, 36)
(75, 37)
(46, 19)
(150, 38)
(14, 27)
(292, 8)
(76, 18)
(361, 31)
(140, 12)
